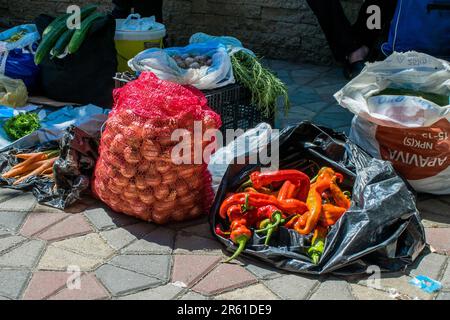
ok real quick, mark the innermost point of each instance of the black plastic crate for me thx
(232, 103)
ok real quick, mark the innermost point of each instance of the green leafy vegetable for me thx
(21, 125)
(262, 83)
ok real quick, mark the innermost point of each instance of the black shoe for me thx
(351, 70)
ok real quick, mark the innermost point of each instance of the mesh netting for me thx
(135, 173)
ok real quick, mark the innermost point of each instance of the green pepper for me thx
(317, 244)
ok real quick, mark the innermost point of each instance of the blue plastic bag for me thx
(420, 25)
(17, 58)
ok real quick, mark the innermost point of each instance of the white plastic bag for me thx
(411, 132)
(249, 142)
(161, 63)
(134, 22)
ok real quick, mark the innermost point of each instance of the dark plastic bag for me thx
(72, 171)
(87, 75)
(381, 228)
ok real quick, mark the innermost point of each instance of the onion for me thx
(161, 192)
(131, 155)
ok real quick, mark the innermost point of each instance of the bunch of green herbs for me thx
(264, 86)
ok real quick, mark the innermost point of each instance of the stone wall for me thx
(283, 29)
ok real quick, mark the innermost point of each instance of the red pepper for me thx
(234, 212)
(274, 217)
(220, 232)
(330, 214)
(289, 190)
(257, 200)
(338, 196)
(240, 236)
(261, 179)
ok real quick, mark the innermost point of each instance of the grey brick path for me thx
(124, 258)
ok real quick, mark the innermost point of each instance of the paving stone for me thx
(166, 292)
(9, 242)
(12, 282)
(91, 245)
(24, 256)
(443, 296)
(40, 208)
(90, 289)
(104, 218)
(292, 287)
(4, 233)
(6, 194)
(365, 293)
(160, 241)
(121, 237)
(38, 221)
(157, 266)
(446, 277)
(45, 283)
(439, 239)
(429, 265)
(22, 202)
(191, 295)
(73, 226)
(56, 258)
(120, 281)
(188, 269)
(434, 205)
(117, 238)
(201, 230)
(11, 221)
(333, 290)
(186, 244)
(399, 283)
(223, 278)
(256, 292)
(261, 271)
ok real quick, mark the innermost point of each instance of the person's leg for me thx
(336, 27)
(370, 37)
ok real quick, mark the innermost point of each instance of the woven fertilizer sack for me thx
(136, 172)
(402, 115)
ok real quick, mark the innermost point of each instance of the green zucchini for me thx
(53, 24)
(79, 35)
(64, 40)
(84, 12)
(48, 41)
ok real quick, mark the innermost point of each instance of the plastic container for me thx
(130, 42)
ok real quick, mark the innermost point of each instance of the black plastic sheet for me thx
(72, 171)
(381, 228)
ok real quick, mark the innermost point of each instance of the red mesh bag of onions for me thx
(136, 172)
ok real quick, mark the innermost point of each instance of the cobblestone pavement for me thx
(123, 258)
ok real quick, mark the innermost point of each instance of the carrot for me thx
(14, 172)
(36, 157)
(24, 156)
(48, 164)
(48, 171)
